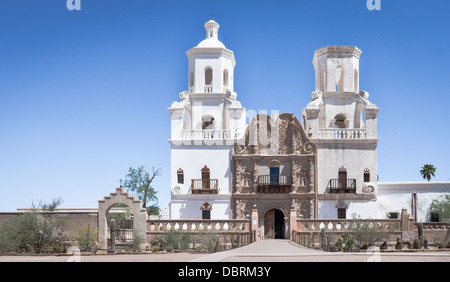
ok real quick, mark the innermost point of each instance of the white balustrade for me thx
(342, 133)
(235, 225)
(206, 134)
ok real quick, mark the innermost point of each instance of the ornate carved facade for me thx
(274, 168)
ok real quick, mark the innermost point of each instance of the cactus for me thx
(399, 244)
(420, 228)
(112, 227)
(421, 237)
(416, 244)
(383, 246)
(323, 238)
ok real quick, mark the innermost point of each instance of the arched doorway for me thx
(274, 225)
(123, 217)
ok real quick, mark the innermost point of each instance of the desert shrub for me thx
(346, 243)
(206, 241)
(86, 237)
(178, 240)
(366, 233)
(33, 232)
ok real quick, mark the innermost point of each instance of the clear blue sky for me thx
(84, 94)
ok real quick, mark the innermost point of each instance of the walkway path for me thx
(261, 251)
(285, 251)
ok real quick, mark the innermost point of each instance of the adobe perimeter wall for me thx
(74, 219)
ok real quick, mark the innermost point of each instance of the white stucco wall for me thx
(191, 159)
(393, 196)
(189, 207)
(363, 209)
(355, 157)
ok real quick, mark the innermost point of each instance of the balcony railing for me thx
(274, 183)
(206, 134)
(205, 186)
(342, 186)
(341, 133)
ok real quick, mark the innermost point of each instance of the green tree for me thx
(427, 171)
(139, 182)
(441, 206)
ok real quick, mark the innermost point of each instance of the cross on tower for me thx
(211, 15)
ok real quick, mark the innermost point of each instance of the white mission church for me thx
(323, 163)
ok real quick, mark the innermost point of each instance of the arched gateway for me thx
(121, 197)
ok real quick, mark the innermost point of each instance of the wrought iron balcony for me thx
(205, 186)
(274, 184)
(342, 186)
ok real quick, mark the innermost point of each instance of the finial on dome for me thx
(212, 29)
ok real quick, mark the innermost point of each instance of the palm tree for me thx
(427, 171)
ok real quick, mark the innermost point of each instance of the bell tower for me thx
(205, 123)
(343, 123)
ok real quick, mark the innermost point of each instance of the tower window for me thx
(180, 176)
(225, 77)
(339, 76)
(366, 175)
(322, 79)
(340, 121)
(207, 122)
(208, 76)
(191, 78)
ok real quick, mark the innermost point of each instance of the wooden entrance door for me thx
(274, 224)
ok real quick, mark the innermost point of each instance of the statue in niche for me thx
(301, 176)
(244, 177)
(241, 209)
(300, 210)
(297, 143)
